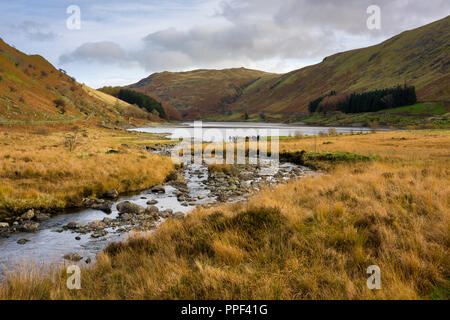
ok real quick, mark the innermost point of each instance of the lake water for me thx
(225, 131)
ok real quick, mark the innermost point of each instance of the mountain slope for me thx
(200, 92)
(419, 57)
(31, 89)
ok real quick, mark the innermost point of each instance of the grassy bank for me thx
(421, 115)
(54, 167)
(309, 239)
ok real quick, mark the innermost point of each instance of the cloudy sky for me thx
(120, 42)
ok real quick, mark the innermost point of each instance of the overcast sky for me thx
(121, 42)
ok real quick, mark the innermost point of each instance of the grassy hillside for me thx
(421, 115)
(201, 92)
(419, 57)
(33, 91)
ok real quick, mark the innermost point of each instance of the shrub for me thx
(71, 141)
(59, 103)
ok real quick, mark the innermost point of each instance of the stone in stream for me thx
(152, 202)
(178, 215)
(129, 207)
(106, 207)
(4, 225)
(88, 260)
(166, 213)
(158, 189)
(73, 257)
(99, 234)
(28, 226)
(97, 225)
(22, 241)
(28, 215)
(72, 225)
(112, 194)
(107, 220)
(42, 216)
(77, 238)
(152, 211)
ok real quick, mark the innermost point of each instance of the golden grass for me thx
(38, 171)
(391, 145)
(312, 238)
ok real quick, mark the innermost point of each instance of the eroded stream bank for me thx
(80, 236)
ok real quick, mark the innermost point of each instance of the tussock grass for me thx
(311, 238)
(38, 170)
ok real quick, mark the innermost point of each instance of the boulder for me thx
(107, 220)
(29, 226)
(4, 225)
(129, 207)
(99, 234)
(28, 215)
(179, 215)
(158, 189)
(112, 194)
(42, 216)
(166, 213)
(72, 225)
(152, 202)
(152, 211)
(97, 225)
(106, 207)
(22, 241)
(73, 257)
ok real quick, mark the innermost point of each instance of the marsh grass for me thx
(311, 238)
(39, 169)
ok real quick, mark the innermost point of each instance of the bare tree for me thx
(71, 141)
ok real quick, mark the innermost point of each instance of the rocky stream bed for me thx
(45, 239)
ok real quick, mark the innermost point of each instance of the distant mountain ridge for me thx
(419, 57)
(199, 92)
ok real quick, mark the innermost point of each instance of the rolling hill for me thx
(198, 93)
(419, 57)
(32, 90)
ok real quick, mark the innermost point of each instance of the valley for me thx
(345, 165)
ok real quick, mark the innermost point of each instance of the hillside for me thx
(108, 92)
(32, 90)
(201, 92)
(419, 57)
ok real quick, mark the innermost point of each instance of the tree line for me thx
(142, 101)
(313, 105)
(370, 101)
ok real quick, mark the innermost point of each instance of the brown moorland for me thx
(311, 238)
